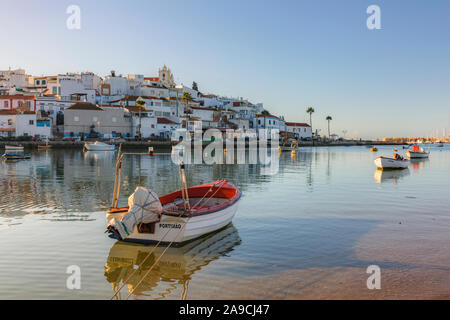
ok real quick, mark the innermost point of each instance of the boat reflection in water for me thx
(381, 176)
(419, 163)
(173, 271)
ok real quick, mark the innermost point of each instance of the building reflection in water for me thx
(69, 182)
(172, 273)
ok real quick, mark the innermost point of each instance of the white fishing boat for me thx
(391, 163)
(99, 146)
(179, 221)
(417, 153)
(13, 148)
(177, 217)
(292, 147)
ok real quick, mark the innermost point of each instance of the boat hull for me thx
(389, 163)
(417, 155)
(99, 147)
(14, 148)
(181, 229)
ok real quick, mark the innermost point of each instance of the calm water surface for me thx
(308, 232)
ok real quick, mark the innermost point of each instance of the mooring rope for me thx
(159, 242)
(168, 246)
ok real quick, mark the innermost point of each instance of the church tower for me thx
(166, 76)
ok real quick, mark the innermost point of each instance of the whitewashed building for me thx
(15, 123)
(299, 130)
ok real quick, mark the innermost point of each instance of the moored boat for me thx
(181, 221)
(13, 148)
(292, 147)
(177, 217)
(417, 153)
(391, 163)
(14, 156)
(99, 146)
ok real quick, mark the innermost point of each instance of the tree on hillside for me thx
(194, 86)
(265, 112)
(186, 98)
(140, 103)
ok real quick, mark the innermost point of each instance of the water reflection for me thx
(172, 273)
(419, 164)
(393, 176)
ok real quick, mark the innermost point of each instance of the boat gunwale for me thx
(194, 212)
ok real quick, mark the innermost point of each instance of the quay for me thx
(167, 145)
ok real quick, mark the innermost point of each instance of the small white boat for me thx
(391, 163)
(417, 154)
(207, 208)
(292, 147)
(99, 146)
(14, 148)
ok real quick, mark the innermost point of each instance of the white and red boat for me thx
(9, 148)
(209, 207)
(177, 217)
(417, 153)
(391, 163)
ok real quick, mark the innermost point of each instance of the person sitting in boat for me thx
(397, 156)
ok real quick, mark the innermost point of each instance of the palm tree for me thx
(140, 103)
(186, 98)
(329, 118)
(310, 110)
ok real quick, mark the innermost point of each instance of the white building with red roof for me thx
(299, 129)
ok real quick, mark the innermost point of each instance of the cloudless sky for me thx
(286, 54)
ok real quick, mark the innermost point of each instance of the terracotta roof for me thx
(204, 108)
(17, 96)
(84, 106)
(136, 109)
(297, 124)
(8, 112)
(165, 120)
(267, 116)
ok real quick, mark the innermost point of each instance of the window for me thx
(153, 126)
(54, 90)
(44, 82)
(28, 104)
(76, 118)
(6, 104)
(31, 122)
(38, 82)
(114, 119)
(10, 122)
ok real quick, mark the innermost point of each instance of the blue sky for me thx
(287, 54)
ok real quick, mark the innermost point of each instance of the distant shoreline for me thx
(168, 144)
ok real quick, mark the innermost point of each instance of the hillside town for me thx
(78, 106)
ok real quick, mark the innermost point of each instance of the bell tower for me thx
(166, 76)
